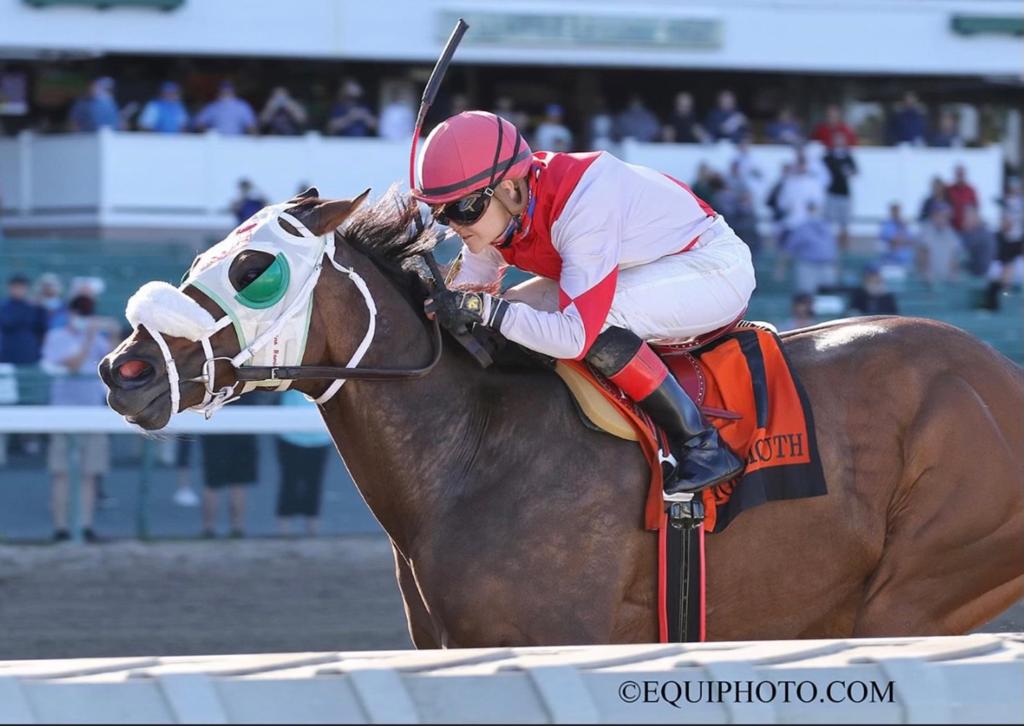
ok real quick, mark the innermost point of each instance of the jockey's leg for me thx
(698, 458)
(679, 296)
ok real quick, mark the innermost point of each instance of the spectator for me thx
(228, 115)
(504, 106)
(350, 116)
(872, 297)
(459, 104)
(248, 201)
(743, 221)
(948, 133)
(897, 240)
(939, 247)
(706, 183)
(979, 242)
(841, 167)
(637, 122)
(282, 115)
(785, 129)
(1008, 255)
(774, 203)
(961, 195)
(97, 109)
(71, 353)
(725, 121)
(745, 168)
(1012, 204)
(727, 191)
(938, 196)
(229, 462)
(908, 123)
(551, 133)
(301, 458)
(600, 128)
(801, 190)
(49, 296)
(801, 313)
(826, 131)
(682, 126)
(23, 325)
(165, 114)
(184, 494)
(398, 117)
(815, 252)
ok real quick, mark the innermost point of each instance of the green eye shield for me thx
(269, 287)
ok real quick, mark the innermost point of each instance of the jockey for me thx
(624, 254)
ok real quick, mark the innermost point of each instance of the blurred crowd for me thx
(389, 112)
(809, 200)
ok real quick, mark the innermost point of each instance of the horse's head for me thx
(248, 299)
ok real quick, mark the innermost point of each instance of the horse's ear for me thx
(311, 193)
(328, 216)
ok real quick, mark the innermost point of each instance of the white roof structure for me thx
(966, 679)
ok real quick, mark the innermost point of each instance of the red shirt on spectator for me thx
(823, 132)
(961, 195)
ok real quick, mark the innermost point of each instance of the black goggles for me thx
(465, 210)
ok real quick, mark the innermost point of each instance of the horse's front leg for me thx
(421, 627)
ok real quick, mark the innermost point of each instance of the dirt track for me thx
(176, 598)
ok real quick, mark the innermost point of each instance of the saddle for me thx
(590, 390)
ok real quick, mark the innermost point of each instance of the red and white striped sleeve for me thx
(587, 236)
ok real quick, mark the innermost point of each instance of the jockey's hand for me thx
(458, 311)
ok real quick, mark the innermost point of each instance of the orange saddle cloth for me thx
(746, 388)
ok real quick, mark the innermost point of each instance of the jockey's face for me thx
(491, 226)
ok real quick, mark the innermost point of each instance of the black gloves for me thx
(458, 311)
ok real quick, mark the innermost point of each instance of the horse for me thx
(513, 524)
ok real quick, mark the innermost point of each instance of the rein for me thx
(295, 373)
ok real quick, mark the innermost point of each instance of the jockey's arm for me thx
(587, 236)
(478, 270)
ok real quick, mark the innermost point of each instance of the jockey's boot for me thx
(698, 458)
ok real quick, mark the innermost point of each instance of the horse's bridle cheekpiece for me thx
(270, 316)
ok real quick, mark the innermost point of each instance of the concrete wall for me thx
(179, 184)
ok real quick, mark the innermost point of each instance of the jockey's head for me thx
(468, 161)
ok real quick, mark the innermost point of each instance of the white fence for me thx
(123, 180)
(969, 679)
(102, 420)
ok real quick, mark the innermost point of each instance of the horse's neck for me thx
(405, 441)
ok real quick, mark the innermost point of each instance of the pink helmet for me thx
(472, 150)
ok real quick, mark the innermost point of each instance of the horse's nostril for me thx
(134, 369)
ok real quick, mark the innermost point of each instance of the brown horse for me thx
(513, 524)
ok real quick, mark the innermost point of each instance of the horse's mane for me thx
(392, 233)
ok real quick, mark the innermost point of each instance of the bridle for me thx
(251, 377)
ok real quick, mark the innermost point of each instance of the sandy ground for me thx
(189, 597)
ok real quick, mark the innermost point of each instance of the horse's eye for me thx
(249, 277)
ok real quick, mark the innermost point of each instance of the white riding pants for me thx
(675, 297)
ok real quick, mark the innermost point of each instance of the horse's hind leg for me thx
(954, 550)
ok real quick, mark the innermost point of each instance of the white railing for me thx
(185, 182)
(966, 679)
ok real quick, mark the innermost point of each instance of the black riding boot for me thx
(701, 458)
(698, 458)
